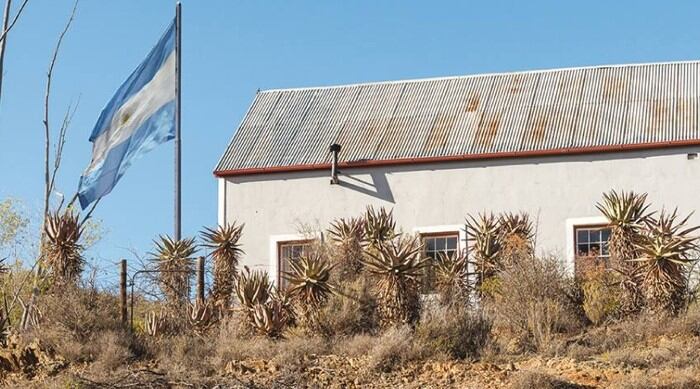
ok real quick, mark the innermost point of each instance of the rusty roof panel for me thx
(480, 114)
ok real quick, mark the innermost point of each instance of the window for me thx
(288, 252)
(592, 241)
(591, 246)
(436, 245)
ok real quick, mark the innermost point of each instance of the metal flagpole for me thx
(178, 90)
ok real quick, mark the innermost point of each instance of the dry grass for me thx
(532, 380)
(392, 349)
(457, 333)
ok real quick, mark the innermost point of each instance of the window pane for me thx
(605, 249)
(440, 244)
(583, 250)
(429, 244)
(582, 236)
(605, 234)
(285, 252)
(452, 243)
(594, 236)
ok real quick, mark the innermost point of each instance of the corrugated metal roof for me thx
(565, 109)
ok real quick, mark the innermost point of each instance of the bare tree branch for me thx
(48, 184)
(6, 27)
(14, 19)
(58, 153)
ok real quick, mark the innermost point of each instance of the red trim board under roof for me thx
(456, 158)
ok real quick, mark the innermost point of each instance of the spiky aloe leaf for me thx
(226, 252)
(515, 224)
(348, 240)
(62, 248)
(252, 287)
(516, 236)
(664, 255)
(627, 213)
(483, 231)
(270, 319)
(309, 287)
(398, 266)
(452, 279)
(174, 259)
(627, 210)
(379, 226)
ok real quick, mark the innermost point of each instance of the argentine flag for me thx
(140, 116)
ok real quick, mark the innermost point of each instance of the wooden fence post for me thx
(200, 279)
(122, 291)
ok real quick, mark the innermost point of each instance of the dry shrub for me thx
(533, 301)
(294, 352)
(355, 346)
(186, 355)
(392, 349)
(600, 296)
(235, 341)
(532, 379)
(351, 311)
(458, 333)
(666, 353)
(115, 350)
(641, 379)
(620, 339)
(83, 325)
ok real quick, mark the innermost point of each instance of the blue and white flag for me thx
(140, 116)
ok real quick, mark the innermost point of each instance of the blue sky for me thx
(233, 48)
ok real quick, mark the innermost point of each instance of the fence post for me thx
(200, 279)
(122, 291)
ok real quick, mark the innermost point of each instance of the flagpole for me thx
(178, 90)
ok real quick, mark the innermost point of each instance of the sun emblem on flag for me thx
(125, 116)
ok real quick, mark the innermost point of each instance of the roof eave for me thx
(456, 158)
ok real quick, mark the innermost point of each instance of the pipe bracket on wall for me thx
(335, 150)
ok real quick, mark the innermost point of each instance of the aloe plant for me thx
(309, 286)
(398, 267)
(270, 319)
(664, 255)
(452, 279)
(627, 213)
(516, 236)
(62, 248)
(252, 288)
(483, 231)
(347, 237)
(225, 252)
(174, 261)
(379, 226)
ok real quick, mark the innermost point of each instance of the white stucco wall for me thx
(558, 192)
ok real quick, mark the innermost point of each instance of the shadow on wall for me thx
(379, 187)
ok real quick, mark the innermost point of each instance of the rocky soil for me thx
(32, 367)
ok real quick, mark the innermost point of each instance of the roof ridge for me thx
(453, 77)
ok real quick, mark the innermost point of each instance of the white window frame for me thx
(571, 224)
(275, 240)
(448, 229)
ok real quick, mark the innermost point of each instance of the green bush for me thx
(600, 297)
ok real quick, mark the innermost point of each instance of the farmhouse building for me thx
(545, 142)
